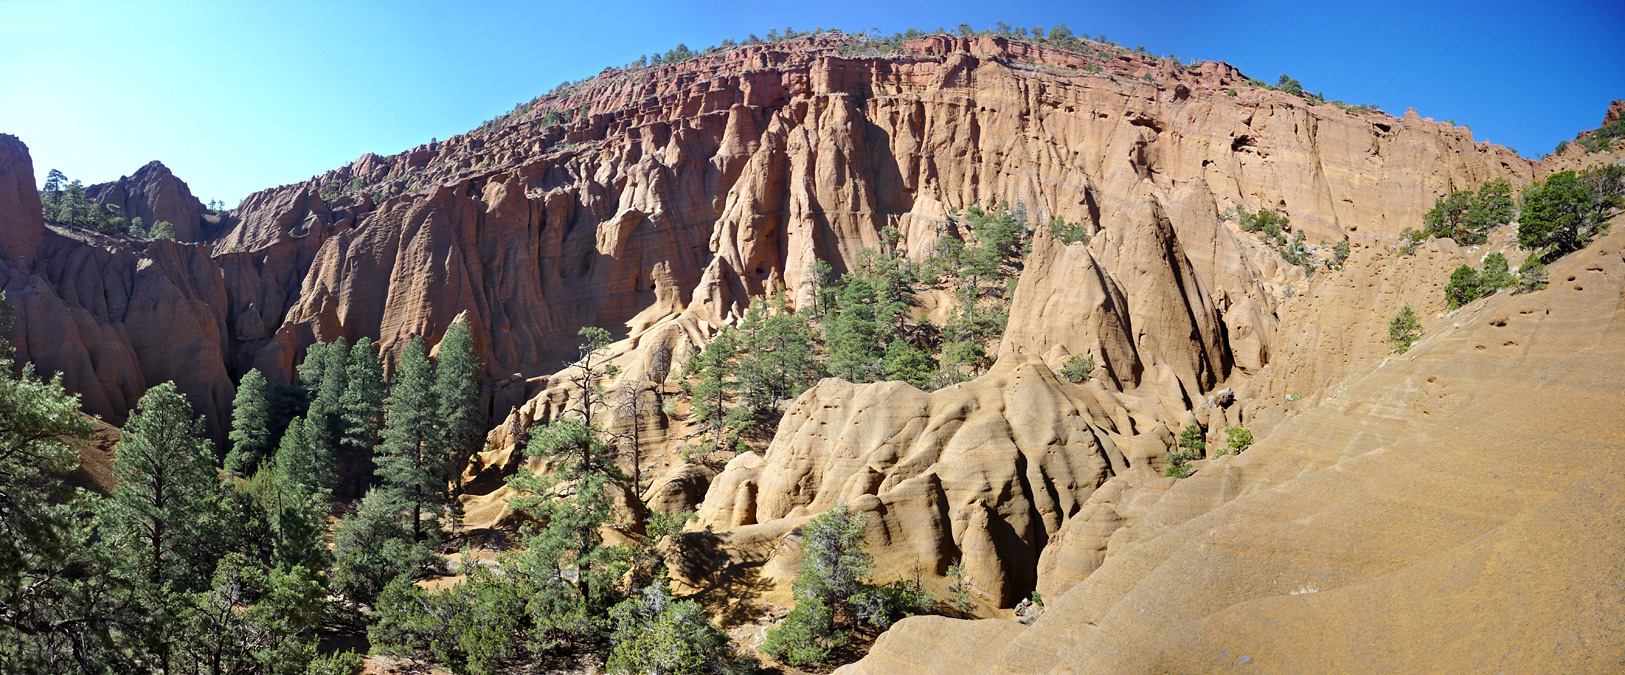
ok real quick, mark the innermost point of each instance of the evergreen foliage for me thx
(1404, 329)
(361, 408)
(64, 201)
(1568, 210)
(655, 634)
(1239, 439)
(1467, 217)
(1078, 368)
(167, 495)
(410, 459)
(833, 592)
(461, 419)
(372, 546)
(250, 425)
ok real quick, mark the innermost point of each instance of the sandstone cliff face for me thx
(21, 225)
(153, 193)
(683, 190)
(1445, 501)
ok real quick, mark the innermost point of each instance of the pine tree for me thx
(578, 452)
(167, 490)
(362, 408)
(708, 379)
(250, 425)
(457, 390)
(409, 458)
(300, 498)
(324, 421)
(371, 548)
(45, 609)
(776, 357)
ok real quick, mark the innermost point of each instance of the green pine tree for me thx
(250, 425)
(362, 409)
(457, 390)
(409, 459)
(299, 497)
(168, 492)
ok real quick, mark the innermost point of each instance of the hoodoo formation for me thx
(1198, 260)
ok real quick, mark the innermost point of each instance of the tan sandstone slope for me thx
(1459, 508)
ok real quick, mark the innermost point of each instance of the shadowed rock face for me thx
(153, 193)
(684, 190)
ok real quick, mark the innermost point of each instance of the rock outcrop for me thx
(21, 224)
(677, 192)
(153, 194)
(1456, 508)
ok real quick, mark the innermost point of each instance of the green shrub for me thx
(1078, 368)
(1463, 287)
(1604, 138)
(1495, 274)
(1069, 233)
(1409, 239)
(1404, 329)
(1288, 85)
(341, 663)
(1568, 210)
(1239, 439)
(805, 636)
(1531, 274)
(654, 634)
(1467, 217)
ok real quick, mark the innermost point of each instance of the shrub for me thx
(805, 636)
(1604, 138)
(1409, 239)
(1340, 255)
(1078, 368)
(1289, 85)
(1404, 329)
(1463, 287)
(1495, 274)
(834, 575)
(1239, 439)
(1568, 210)
(654, 634)
(1192, 445)
(1070, 233)
(341, 663)
(1531, 274)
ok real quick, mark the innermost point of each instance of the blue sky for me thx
(239, 96)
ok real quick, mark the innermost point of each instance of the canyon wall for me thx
(640, 197)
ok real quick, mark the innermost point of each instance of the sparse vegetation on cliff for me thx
(1568, 210)
(1404, 329)
(1467, 217)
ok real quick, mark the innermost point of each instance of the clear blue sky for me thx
(239, 96)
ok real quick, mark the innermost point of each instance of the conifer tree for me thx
(409, 460)
(300, 497)
(579, 453)
(777, 356)
(457, 390)
(250, 425)
(324, 421)
(362, 408)
(167, 490)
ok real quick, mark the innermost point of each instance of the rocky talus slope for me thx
(1458, 508)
